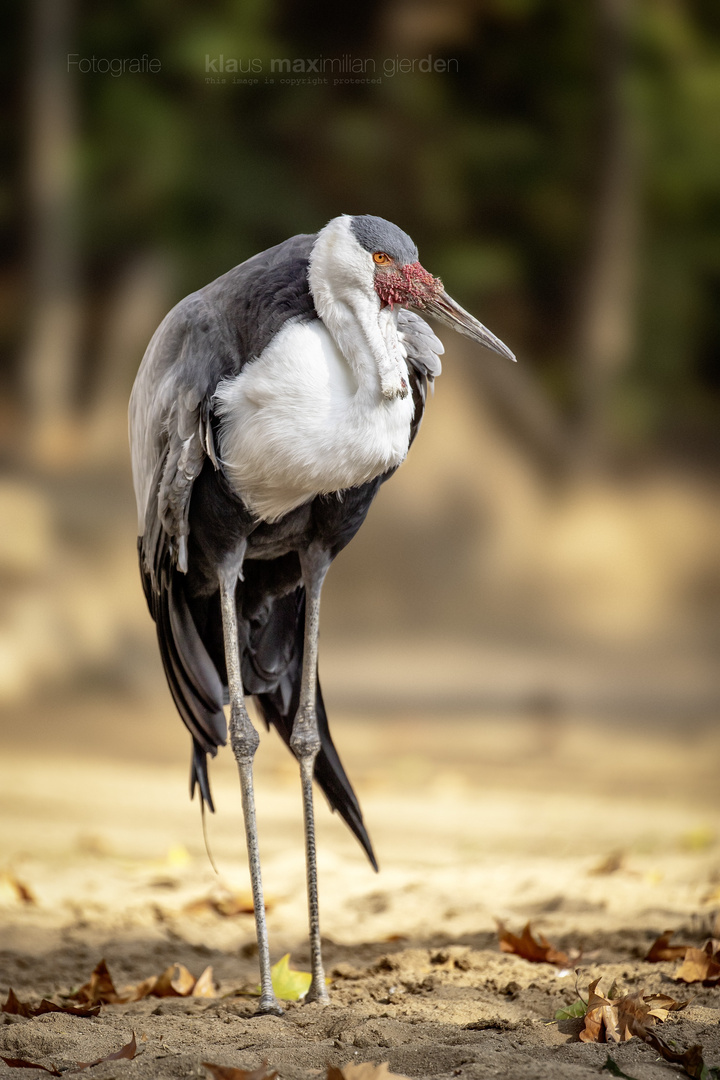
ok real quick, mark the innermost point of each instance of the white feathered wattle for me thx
(326, 404)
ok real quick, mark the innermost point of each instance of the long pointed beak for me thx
(445, 310)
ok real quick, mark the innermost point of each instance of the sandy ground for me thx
(473, 818)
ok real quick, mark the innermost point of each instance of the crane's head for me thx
(361, 270)
(399, 279)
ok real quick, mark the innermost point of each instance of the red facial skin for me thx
(409, 285)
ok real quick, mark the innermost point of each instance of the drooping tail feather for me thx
(272, 672)
(272, 669)
(194, 683)
(329, 772)
(279, 707)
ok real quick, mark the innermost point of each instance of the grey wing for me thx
(207, 337)
(424, 350)
(170, 431)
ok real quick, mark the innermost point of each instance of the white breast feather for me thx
(295, 424)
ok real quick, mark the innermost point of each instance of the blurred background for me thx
(550, 549)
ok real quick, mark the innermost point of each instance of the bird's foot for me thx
(269, 1007)
(319, 986)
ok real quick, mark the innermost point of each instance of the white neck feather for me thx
(341, 282)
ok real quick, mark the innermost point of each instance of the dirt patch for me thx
(479, 820)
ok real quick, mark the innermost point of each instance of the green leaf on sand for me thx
(289, 985)
(572, 1012)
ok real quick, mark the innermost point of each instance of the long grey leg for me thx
(305, 742)
(244, 740)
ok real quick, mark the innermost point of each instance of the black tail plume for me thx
(194, 683)
(329, 772)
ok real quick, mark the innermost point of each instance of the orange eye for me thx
(382, 258)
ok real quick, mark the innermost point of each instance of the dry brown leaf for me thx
(17, 888)
(227, 904)
(618, 1019)
(540, 951)
(141, 990)
(100, 990)
(661, 949)
(127, 1051)
(21, 1008)
(701, 965)
(16, 1007)
(175, 981)
(690, 1059)
(635, 1014)
(662, 1003)
(365, 1070)
(205, 985)
(609, 865)
(236, 903)
(46, 1006)
(600, 1017)
(227, 1072)
(20, 1063)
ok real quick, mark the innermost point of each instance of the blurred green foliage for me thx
(493, 169)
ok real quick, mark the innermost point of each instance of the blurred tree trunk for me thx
(606, 317)
(49, 366)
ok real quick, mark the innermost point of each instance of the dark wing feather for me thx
(185, 662)
(194, 683)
